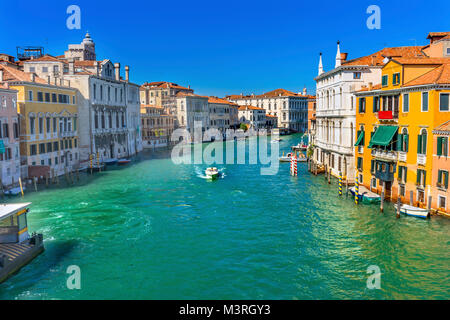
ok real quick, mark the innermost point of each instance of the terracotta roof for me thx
(189, 94)
(12, 74)
(219, 100)
(443, 127)
(366, 88)
(439, 75)
(437, 34)
(242, 108)
(376, 59)
(164, 84)
(46, 57)
(422, 60)
(277, 93)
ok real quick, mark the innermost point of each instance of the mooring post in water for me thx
(346, 187)
(21, 187)
(383, 189)
(399, 204)
(90, 161)
(35, 183)
(429, 204)
(411, 198)
(340, 184)
(98, 162)
(356, 190)
(46, 178)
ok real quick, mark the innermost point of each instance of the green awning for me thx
(383, 136)
(360, 139)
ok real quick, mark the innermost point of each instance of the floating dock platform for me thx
(17, 248)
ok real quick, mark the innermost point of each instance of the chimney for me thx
(189, 86)
(127, 73)
(117, 70)
(71, 66)
(97, 70)
(344, 56)
(370, 86)
(33, 77)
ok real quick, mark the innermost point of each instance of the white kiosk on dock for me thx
(17, 248)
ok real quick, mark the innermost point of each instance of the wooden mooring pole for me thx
(383, 190)
(399, 204)
(411, 198)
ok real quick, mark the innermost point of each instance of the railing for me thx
(384, 154)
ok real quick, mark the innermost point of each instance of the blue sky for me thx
(222, 47)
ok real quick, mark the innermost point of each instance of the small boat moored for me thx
(212, 173)
(110, 162)
(286, 158)
(14, 191)
(366, 195)
(122, 162)
(413, 211)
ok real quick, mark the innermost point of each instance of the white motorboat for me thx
(212, 173)
(413, 211)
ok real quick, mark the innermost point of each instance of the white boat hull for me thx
(413, 211)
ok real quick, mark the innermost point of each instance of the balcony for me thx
(387, 115)
(384, 155)
(421, 159)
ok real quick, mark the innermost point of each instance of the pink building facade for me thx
(9, 139)
(441, 168)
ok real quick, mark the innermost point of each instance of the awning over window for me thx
(383, 136)
(360, 139)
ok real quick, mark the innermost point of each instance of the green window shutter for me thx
(399, 142)
(424, 144)
(425, 101)
(439, 146)
(418, 176)
(406, 140)
(446, 180)
(374, 108)
(405, 173)
(424, 177)
(440, 176)
(419, 144)
(445, 146)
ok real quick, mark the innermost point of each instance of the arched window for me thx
(404, 140)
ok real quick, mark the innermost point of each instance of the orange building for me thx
(395, 148)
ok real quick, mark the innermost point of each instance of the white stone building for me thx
(290, 108)
(192, 109)
(336, 105)
(223, 114)
(253, 116)
(109, 106)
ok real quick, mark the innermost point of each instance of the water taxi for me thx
(413, 211)
(212, 173)
(286, 158)
(17, 247)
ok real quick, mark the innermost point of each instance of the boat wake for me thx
(200, 173)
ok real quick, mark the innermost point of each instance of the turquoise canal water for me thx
(155, 230)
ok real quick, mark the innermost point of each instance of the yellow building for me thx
(48, 123)
(395, 121)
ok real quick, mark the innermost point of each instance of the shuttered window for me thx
(443, 179)
(444, 102)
